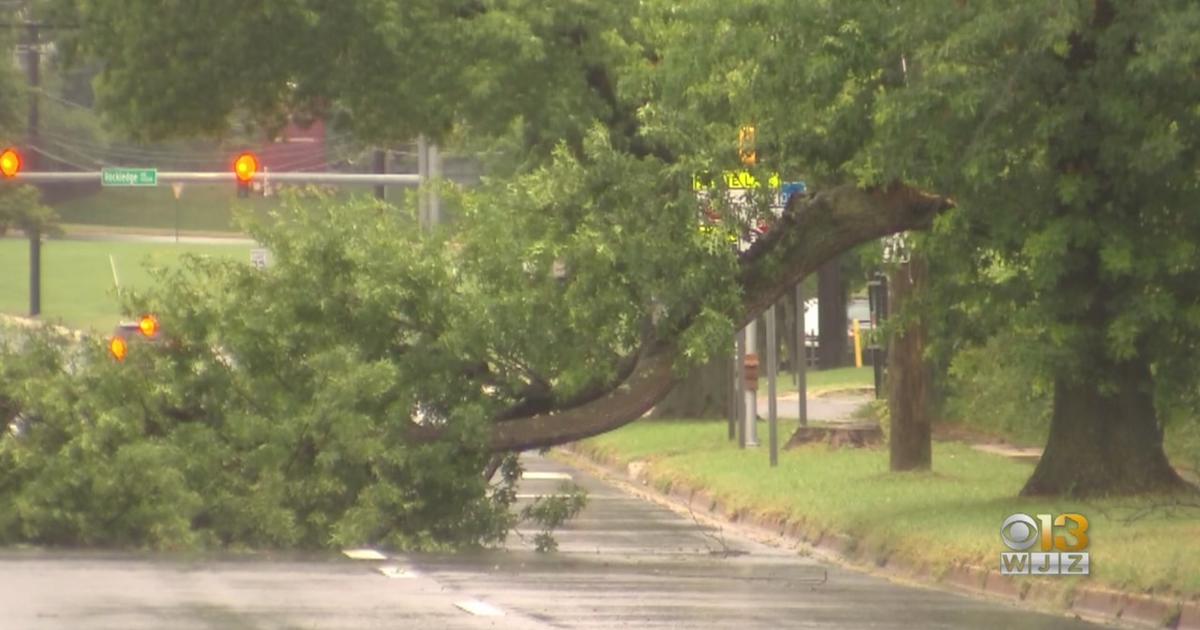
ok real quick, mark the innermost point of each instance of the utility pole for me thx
(32, 72)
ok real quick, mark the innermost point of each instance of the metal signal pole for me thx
(32, 72)
(380, 167)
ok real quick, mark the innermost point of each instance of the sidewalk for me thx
(834, 407)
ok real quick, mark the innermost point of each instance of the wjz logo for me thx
(1038, 548)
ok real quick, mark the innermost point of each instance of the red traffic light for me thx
(245, 167)
(10, 162)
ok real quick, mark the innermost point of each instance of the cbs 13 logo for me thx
(1058, 553)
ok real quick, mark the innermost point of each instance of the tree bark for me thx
(909, 376)
(703, 394)
(812, 230)
(1104, 442)
(831, 315)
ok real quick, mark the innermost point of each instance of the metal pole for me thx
(751, 418)
(802, 360)
(734, 399)
(772, 418)
(380, 167)
(882, 350)
(876, 367)
(423, 174)
(740, 387)
(435, 173)
(32, 72)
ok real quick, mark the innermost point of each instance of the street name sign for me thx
(129, 177)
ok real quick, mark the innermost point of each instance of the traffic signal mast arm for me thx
(228, 177)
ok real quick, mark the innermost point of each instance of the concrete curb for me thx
(1087, 602)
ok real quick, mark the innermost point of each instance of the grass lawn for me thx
(77, 282)
(950, 514)
(201, 208)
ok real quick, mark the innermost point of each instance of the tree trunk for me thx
(703, 394)
(1104, 442)
(831, 313)
(909, 376)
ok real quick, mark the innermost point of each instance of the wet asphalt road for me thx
(624, 563)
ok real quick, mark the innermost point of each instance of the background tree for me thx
(1066, 135)
(1025, 116)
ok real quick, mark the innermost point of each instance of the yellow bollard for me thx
(857, 345)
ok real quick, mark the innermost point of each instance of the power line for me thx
(184, 155)
(90, 158)
(58, 158)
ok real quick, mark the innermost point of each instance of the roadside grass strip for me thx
(940, 519)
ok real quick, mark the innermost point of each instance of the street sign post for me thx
(260, 258)
(129, 177)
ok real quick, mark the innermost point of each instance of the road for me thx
(624, 563)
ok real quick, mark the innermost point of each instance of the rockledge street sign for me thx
(129, 177)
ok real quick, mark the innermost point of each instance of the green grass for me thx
(201, 208)
(936, 518)
(77, 282)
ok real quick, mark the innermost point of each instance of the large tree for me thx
(1066, 133)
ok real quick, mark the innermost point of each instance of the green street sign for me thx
(129, 177)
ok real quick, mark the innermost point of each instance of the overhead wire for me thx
(99, 162)
(58, 158)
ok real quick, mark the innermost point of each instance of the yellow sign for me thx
(735, 180)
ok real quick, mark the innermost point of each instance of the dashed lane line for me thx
(478, 608)
(535, 475)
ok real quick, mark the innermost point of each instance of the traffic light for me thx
(148, 326)
(118, 344)
(10, 163)
(747, 136)
(118, 347)
(244, 167)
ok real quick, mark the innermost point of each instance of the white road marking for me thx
(481, 609)
(363, 554)
(392, 571)
(534, 475)
(591, 497)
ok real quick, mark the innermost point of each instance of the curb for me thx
(1092, 603)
